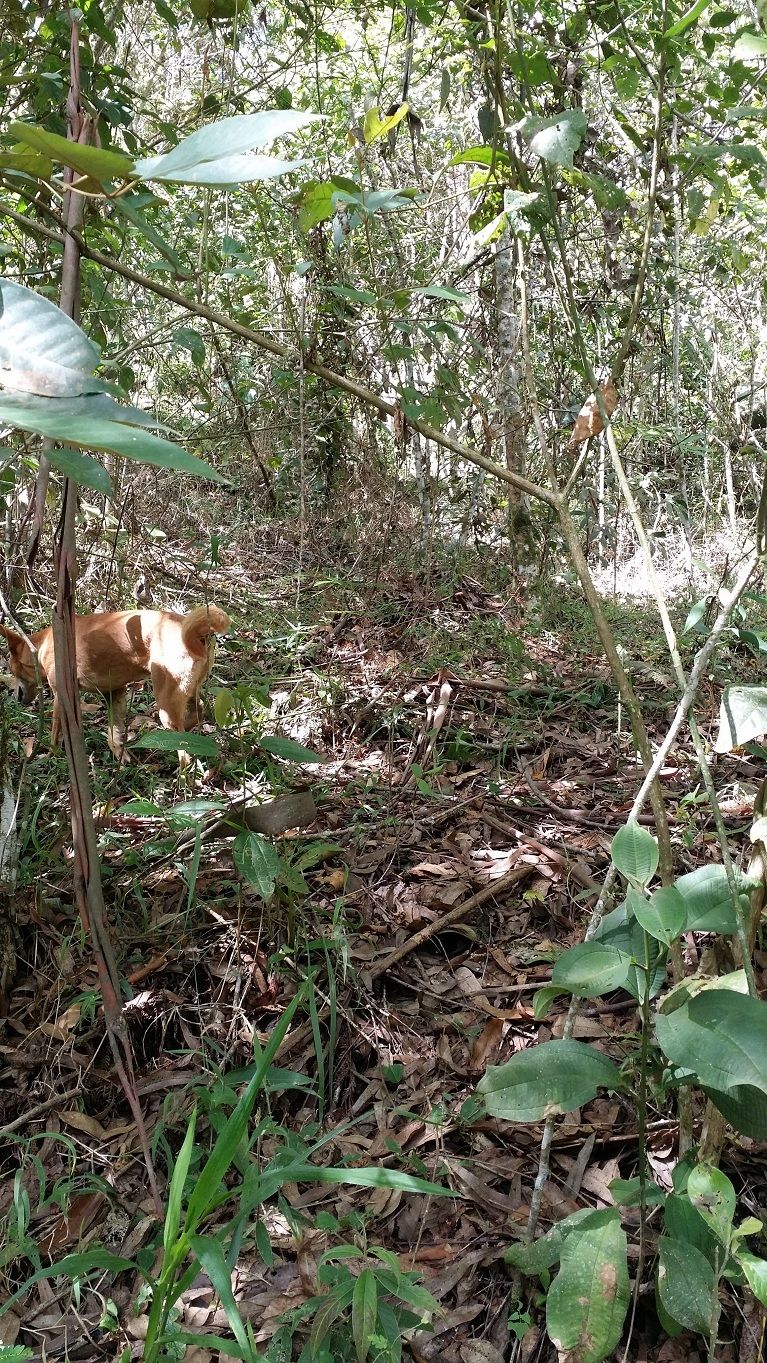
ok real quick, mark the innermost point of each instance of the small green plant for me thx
(712, 1032)
(360, 1315)
(233, 1179)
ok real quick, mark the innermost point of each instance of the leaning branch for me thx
(265, 342)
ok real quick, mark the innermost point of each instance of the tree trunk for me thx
(510, 415)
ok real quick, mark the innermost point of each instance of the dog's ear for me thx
(14, 641)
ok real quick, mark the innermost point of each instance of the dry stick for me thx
(39, 1110)
(86, 867)
(455, 915)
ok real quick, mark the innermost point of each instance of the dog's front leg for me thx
(117, 703)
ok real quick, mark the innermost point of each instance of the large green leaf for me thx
(721, 1037)
(547, 1080)
(222, 152)
(755, 1270)
(744, 1107)
(25, 161)
(635, 853)
(168, 740)
(82, 468)
(591, 969)
(481, 156)
(92, 402)
(94, 161)
(708, 898)
(315, 204)
(41, 349)
(587, 1301)
(287, 748)
(749, 47)
(628, 936)
(713, 1197)
(544, 1252)
(98, 434)
(663, 915)
(557, 138)
(683, 1222)
(686, 1284)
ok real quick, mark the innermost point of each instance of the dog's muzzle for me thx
(24, 692)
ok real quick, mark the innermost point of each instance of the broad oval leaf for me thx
(168, 740)
(543, 999)
(682, 1222)
(97, 434)
(244, 168)
(708, 898)
(721, 1037)
(257, 861)
(285, 747)
(591, 969)
(547, 1080)
(587, 1301)
(635, 853)
(713, 1197)
(745, 1108)
(97, 162)
(650, 955)
(663, 915)
(749, 47)
(686, 1284)
(755, 1270)
(627, 1192)
(481, 156)
(544, 1252)
(41, 349)
(554, 139)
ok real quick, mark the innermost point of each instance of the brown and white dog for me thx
(119, 647)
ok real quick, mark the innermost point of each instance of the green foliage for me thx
(196, 1194)
(715, 1036)
(548, 1079)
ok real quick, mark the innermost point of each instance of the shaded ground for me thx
(460, 761)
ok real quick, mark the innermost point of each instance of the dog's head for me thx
(23, 666)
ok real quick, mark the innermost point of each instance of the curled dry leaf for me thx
(589, 420)
(486, 1044)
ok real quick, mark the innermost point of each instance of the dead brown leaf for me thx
(66, 1230)
(486, 1045)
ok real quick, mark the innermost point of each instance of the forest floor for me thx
(452, 839)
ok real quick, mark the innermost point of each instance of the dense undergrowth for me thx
(458, 737)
